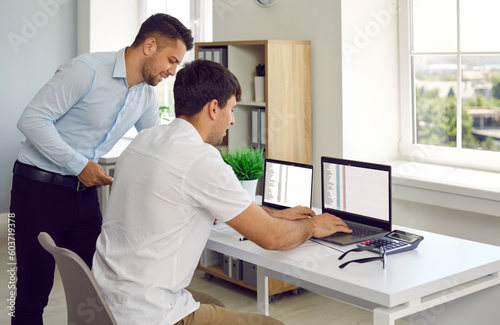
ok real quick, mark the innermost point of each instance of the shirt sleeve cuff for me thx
(77, 164)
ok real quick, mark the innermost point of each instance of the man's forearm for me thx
(289, 234)
(284, 233)
(298, 212)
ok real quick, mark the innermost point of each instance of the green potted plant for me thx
(165, 113)
(247, 164)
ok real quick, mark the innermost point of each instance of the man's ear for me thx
(149, 46)
(213, 109)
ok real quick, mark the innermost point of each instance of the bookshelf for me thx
(286, 107)
(287, 101)
(275, 286)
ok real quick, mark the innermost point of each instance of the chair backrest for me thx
(84, 299)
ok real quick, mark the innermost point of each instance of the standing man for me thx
(171, 183)
(77, 117)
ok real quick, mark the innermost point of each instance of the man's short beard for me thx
(214, 138)
(147, 74)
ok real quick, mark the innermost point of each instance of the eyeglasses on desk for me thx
(381, 256)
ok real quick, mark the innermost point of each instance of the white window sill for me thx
(449, 187)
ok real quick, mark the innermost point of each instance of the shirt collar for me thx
(120, 70)
(182, 123)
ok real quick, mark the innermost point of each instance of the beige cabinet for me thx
(287, 101)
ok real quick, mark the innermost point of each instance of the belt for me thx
(43, 176)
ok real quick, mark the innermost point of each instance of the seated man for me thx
(170, 185)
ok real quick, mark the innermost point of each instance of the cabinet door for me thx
(289, 101)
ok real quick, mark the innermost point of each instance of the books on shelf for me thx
(216, 54)
(259, 128)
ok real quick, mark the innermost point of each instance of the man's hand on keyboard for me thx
(327, 224)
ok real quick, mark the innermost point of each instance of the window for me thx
(450, 82)
(195, 15)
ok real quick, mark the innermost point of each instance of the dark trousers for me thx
(72, 218)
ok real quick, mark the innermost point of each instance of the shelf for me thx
(218, 272)
(252, 103)
(275, 286)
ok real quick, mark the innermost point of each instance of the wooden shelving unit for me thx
(287, 94)
(287, 107)
(275, 286)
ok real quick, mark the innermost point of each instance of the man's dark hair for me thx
(166, 30)
(200, 81)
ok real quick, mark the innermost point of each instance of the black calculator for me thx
(394, 242)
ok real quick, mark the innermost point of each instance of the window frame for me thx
(460, 157)
(200, 23)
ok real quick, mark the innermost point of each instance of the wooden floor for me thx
(304, 308)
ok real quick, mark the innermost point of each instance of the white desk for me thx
(422, 282)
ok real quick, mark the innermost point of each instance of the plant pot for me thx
(259, 88)
(250, 186)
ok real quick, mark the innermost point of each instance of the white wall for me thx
(37, 36)
(107, 25)
(457, 223)
(370, 87)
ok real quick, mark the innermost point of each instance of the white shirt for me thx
(168, 188)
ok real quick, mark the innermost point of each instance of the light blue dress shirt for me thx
(82, 112)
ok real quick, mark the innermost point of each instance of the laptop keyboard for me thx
(359, 231)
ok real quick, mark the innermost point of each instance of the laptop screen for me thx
(357, 191)
(287, 184)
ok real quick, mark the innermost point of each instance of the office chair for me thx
(84, 299)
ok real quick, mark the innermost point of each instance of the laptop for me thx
(360, 194)
(286, 184)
